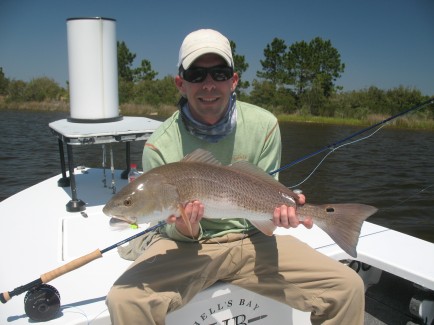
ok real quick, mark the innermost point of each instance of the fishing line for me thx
(344, 140)
(414, 195)
(96, 317)
(333, 150)
(75, 310)
(408, 198)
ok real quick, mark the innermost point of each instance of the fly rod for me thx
(337, 143)
(70, 266)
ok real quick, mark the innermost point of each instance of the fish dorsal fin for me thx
(203, 156)
(254, 171)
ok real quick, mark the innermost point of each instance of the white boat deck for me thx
(39, 235)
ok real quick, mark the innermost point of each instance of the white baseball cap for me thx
(201, 42)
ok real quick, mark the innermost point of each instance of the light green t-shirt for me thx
(256, 139)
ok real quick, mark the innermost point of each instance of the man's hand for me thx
(194, 213)
(285, 216)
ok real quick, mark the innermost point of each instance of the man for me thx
(178, 262)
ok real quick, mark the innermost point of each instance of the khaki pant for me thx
(168, 274)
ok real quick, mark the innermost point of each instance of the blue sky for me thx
(383, 43)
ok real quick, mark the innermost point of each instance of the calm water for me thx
(392, 170)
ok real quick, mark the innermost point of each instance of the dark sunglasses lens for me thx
(221, 74)
(196, 75)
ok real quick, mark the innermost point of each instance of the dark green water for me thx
(392, 170)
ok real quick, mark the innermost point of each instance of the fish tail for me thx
(342, 222)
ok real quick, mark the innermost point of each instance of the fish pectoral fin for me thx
(186, 220)
(265, 226)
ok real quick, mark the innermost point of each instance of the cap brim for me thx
(188, 60)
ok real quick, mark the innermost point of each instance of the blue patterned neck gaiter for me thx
(210, 133)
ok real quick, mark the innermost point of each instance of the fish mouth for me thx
(118, 220)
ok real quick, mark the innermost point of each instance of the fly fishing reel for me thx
(42, 303)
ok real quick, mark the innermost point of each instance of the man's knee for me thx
(142, 301)
(352, 283)
(114, 296)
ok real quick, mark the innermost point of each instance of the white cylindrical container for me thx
(93, 71)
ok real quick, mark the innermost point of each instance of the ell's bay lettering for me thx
(240, 310)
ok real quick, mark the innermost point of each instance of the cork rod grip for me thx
(5, 297)
(70, 266)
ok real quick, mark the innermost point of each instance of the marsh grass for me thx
(161, 112)
(52, 106)
(407, 122)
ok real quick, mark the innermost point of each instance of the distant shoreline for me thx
(162, 112)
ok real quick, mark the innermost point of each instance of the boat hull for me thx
(39, 235)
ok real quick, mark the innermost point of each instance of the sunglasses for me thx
(198, 74)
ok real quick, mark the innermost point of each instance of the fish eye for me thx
(128, 202)
(330, 210)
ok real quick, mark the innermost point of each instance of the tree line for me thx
(300, 78)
